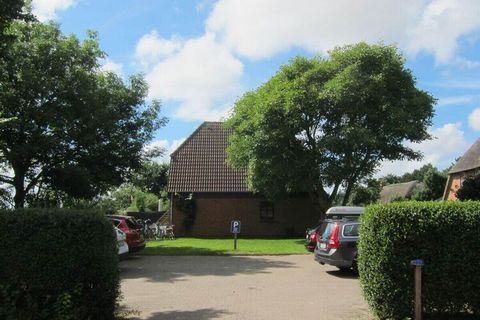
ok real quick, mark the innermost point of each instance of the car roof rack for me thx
(344, 212)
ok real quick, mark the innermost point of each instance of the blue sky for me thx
(200, 56)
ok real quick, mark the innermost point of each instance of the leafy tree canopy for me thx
(366, 194)
(77, 129)
(151, 177)
(433, 185)
(11, 10)
(322, 123)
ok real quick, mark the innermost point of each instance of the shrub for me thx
(470, 189)
(445, 235)
(57, 264)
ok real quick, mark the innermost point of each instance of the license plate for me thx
(323, 246)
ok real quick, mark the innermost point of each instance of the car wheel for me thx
(355, 265)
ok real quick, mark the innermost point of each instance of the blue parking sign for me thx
(235, 226)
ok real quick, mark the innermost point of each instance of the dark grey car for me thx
(337, 243)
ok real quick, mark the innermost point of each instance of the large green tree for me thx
(327, 122)
(77, 129)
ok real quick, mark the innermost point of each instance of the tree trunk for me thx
(320, 203)
(18, 183)
(348, 192)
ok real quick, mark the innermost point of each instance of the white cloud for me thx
(456, 100)
(449, 143)
(47, 9)
(260, 29)
(168, 146)
(151, 48)
(474, 119)
(466, 63)
(114, 67)
(441, 25)
(200, 74)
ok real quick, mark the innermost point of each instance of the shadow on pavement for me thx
(344, 274)
(201, 314)
(174, 268)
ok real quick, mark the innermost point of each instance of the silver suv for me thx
(338, 236)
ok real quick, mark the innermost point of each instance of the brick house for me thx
(467, 165)
(198, 168)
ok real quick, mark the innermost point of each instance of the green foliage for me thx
(10, 10)
(78, 130)
(470, 189)
(151, 177)
(57, 264)
(444, 235)
(328, 122)
(186, 204)
(368, 194)
(419, 175)
(146, 201)
(433, 185)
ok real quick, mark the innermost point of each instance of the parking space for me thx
(239, 287)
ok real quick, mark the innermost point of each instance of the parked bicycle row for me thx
(155, 231)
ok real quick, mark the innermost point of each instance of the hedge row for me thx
(445, 235)
(57, 264)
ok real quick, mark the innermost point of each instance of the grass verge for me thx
(194, 246)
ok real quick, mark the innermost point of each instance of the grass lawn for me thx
(194, 246)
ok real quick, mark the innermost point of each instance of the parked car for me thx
(127, 224)
(122, 242)
(311, 237)
(338, 237)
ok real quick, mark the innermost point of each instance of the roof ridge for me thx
(194, 133)
(398, 183)
(469, 160)
(199, 163)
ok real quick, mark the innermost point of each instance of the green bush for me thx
(57, 264)
(445, 235)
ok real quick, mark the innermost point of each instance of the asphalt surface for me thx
(239, 287)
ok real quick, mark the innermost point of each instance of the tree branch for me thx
(6, 179)
(33, 182)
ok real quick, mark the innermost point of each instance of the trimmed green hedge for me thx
(445, 235)
(57, 264)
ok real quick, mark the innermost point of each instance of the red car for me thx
(127, 224)
(311, 238)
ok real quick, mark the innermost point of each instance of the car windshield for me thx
(131, 224)
(115, 222)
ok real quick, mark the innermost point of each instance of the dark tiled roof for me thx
(397, 190)
(470, 160)
(199, 164)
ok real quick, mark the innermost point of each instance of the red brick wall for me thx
(214, 214)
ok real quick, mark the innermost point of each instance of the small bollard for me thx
(418, 264)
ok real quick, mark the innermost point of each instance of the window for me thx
(266, 211)
(326, 230)
(350, 230)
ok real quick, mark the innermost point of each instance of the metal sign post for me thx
(418, 264)
(235, 226)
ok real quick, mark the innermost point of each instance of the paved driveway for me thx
(239, 287)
